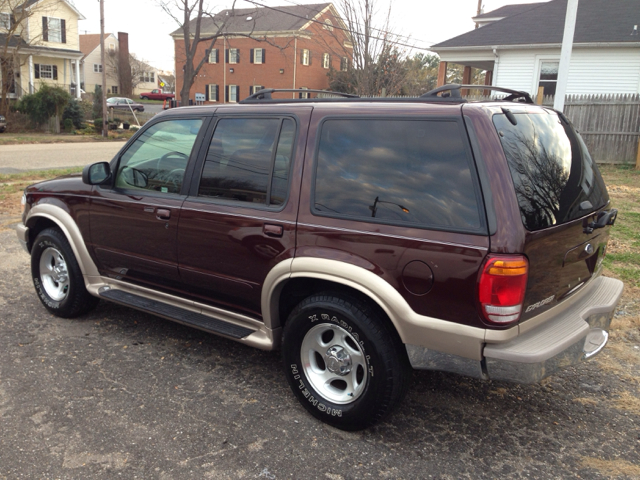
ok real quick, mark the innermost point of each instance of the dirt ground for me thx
(119, 393)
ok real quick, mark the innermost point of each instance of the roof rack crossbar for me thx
(454, 89)
(266, 93)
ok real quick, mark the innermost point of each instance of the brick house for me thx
(289, 47)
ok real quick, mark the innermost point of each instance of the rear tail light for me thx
(502, 286)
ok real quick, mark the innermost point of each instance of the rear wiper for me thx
(606, 217)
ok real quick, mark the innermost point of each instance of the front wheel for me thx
(345, 364)
(57, 276)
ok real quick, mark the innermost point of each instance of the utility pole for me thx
(565, 54)
(105, 131)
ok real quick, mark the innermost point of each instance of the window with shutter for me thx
(213, 92)
(305, 57)
(258, 55)
(213, 55)
(325, 60)
(304, 94)
(54, 29)
(344, 63)
(234, 55)
(233, 93)
(46, 71)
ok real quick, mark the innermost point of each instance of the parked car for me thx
(126, 104)
(361, 237)
(3, 124)
(156, 94)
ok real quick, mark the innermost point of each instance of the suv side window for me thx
(157, 160)
(397, 171)
(249, 160)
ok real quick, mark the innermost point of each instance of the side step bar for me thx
(177, 314)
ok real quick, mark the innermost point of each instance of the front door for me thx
(239, 219)
(134, 222)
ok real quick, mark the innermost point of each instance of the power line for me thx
(372, 28)
(337, 27)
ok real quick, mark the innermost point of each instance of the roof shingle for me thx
(270, 19)
(598, 21)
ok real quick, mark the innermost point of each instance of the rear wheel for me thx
(57, 276)
(145, 98)
(345, 363)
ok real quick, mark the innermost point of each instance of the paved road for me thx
(18, 158)
(121, 394)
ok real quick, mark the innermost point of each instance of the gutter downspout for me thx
(496, 64)
(295, 63)
(224, 69)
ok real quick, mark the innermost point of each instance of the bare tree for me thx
(190, 15)
(14, 40)
(376, 53)
(136, 66)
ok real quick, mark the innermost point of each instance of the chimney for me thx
(124, 66)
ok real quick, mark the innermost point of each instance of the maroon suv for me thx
(361, 237)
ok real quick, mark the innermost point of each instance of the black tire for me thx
(144, 98)
(378, 376)
(57, 277)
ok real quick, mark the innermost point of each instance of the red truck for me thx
(156, 94)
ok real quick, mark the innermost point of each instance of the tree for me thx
(136, 66)
(14, 15)
(377, 60)
(193, 12)
(421, 74)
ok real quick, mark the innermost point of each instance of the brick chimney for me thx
(124, 66)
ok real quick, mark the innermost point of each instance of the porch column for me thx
(442, 73)
(466, 80)
(77, 63)
(31, 74)
(488, 78)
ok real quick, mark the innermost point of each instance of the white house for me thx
(519, 46)
(145, 76)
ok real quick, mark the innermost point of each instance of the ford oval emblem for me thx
(588, 249)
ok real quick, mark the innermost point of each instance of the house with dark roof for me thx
(39, 44)
(519, 47)
(292, 47)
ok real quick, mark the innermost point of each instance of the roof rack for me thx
(454, 92)
(265, 93)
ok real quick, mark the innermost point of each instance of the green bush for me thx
(44, 104)
(74, 113)
(68, 125)
(97, 124)
(97, 101)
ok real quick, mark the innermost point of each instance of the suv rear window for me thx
(552, 170)
(397, 171)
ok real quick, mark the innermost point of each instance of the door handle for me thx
(163, 214)
(272, 230)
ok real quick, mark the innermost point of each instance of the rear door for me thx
(239, 219)
(560, 192)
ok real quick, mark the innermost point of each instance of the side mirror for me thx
(96, 173)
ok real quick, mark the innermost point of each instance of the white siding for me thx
(592, 70)
(515, 69)
(610, 70)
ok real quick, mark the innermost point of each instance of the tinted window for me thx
(397, 171)
(551, 168)
(157, 160)
(242, 157)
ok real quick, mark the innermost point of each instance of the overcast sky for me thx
(425, 21)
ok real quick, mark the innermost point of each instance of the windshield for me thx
(555, 178)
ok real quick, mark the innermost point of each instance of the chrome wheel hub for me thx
(53, 274)
(338, 360)
(334, 363)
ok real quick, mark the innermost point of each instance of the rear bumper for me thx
(573, 334)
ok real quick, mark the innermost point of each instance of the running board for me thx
(177, 314)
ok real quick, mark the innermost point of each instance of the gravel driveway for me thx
(124, 394)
